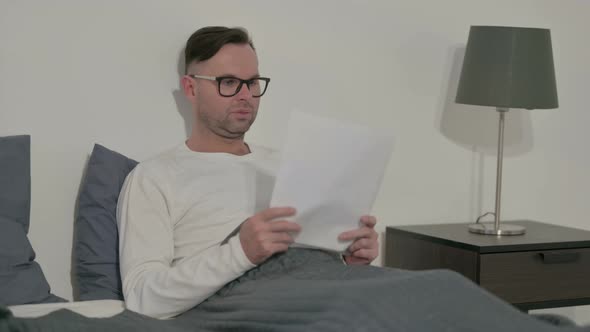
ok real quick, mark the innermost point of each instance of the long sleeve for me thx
(154, 283)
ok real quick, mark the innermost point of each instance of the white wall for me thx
(73, 73)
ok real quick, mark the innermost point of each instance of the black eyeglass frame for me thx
(239, 88)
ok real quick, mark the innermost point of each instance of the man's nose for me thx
(244, 92)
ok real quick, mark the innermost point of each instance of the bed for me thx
(300, 290)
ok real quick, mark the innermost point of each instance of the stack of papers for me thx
(331, 173)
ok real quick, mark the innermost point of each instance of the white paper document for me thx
(331, 173)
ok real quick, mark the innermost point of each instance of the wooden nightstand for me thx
(547, 267)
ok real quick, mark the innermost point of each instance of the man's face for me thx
(228, 117)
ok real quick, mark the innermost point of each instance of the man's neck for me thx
(218, 144)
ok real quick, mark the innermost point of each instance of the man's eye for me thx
(230, 82)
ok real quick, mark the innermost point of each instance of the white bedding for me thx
(95, 309)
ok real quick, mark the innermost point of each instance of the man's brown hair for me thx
(207, 41)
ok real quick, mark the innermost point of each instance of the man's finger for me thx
(357, 261)
(369, 221)
(364, 254)
(355, 234)
(284, 226)
(277, 212)
(360, 244)
(281, 238)
(279, 247)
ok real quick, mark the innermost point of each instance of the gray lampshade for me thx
(508, 67)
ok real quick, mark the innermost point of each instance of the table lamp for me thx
(506, 67)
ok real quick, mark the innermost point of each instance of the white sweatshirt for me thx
(174, 212)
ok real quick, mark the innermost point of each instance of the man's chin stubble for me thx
(236, 134)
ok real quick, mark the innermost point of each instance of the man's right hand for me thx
(261, 238)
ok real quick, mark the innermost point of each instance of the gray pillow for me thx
(21, 278)
(96, 248)
(15, 179)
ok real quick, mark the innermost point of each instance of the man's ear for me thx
(188, 87)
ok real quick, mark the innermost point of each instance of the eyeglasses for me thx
(229, 86)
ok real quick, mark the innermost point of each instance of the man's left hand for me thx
(365, 247)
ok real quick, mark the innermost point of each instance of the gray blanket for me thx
(309, 290)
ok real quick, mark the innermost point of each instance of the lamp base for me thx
(488, 228)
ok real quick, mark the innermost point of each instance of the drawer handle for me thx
(559, 257)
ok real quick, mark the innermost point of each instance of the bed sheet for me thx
(94, 309)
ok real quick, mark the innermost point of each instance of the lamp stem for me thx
(502, 112)
(487, 228)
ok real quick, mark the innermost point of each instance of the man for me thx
(177, 209)
(199, 242)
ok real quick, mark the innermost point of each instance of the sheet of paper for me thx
(331, 173)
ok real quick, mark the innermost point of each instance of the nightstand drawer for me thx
(535, 276)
